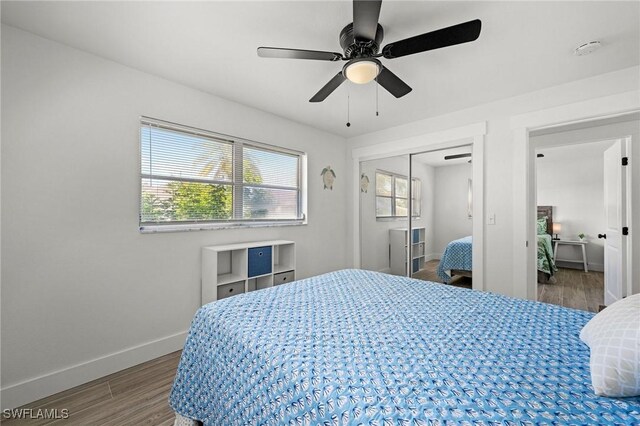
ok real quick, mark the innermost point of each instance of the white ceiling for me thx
(436, 158)
(524, 46)
(572, 152)
(634, 116)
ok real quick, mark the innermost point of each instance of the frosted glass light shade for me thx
(557, 228)
(362, 72)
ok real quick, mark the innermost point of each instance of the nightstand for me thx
(582, 244)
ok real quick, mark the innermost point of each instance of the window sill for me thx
(155, 229)
(396, 219)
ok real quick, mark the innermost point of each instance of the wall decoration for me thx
(364, 183)
(328, 176)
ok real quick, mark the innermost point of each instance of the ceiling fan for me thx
(361, 40)
(456, 156)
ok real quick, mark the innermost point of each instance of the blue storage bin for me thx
(416, 265)
(259, 261)
(416, 235)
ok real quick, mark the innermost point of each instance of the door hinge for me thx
(625, 161)
(625, 230)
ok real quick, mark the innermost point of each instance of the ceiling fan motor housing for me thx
(359, 48)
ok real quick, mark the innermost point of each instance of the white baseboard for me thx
(432, 256)
(598, 267)
(30, 390)
(385, 270)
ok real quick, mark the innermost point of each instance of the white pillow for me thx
(614, 339)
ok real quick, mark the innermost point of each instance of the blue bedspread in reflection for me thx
(457, 255)
(359, 347)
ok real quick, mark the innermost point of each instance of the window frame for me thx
(236, 182)
(393, 197)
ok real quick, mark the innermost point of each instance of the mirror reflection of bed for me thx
(457, 253)
(440, 183)
(450, 255)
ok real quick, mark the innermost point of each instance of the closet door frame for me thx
(474, 135)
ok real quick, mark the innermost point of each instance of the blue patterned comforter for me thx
(457, 255)
(359, 347)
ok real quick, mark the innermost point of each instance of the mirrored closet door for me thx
(434, 243)
(442, 215)
(384, 205)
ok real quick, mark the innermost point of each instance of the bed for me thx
(456, 259)
(545, 263)
(362, 347)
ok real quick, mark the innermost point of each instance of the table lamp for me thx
(557, 228)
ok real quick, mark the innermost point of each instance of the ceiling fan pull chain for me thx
(348, 120)
(377, 96)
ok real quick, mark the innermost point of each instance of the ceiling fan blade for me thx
(328, 88)
(365, 19)
(455, 156)
(457, 34)
(278, 52)
(392, 83)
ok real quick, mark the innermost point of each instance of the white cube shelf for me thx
(225, 268)
(398, 240)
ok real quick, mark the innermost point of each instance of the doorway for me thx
(585, 194)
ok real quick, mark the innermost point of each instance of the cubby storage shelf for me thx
(233, 269)
(398, 240)
(229, 278)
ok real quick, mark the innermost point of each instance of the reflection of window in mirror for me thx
(391, 195)
(470, 200)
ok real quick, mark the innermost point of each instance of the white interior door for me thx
(614, 203)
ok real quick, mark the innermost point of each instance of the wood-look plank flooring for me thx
(135, 396)
(574, 289)
(429, 274)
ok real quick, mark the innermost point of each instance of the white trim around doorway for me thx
(524, 208)
(472, 134)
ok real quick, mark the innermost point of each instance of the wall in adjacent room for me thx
(573, 183)
(374, 233)
(451, 219)
(84, 293)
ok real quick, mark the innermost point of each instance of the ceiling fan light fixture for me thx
(362, 71)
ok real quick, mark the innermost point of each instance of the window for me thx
(194, 179)
(392, 193)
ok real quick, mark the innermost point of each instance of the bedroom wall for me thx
(571, 179)
(451, 220)
(610, 131)
(498, 161)
(375, 233)
(84, 293)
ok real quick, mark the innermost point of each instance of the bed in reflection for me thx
(456, 259)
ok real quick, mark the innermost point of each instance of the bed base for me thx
(461, 272)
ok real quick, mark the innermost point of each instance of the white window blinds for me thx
(190, 176)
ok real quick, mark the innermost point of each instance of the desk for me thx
(583, 244)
